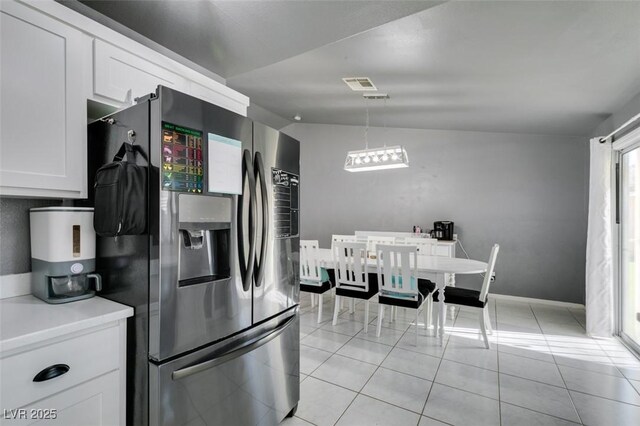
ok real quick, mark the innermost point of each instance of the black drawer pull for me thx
(51, 372)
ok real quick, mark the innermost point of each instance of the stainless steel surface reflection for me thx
(214, 282)
(277, 288)
(256, 387)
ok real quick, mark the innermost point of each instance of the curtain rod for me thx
(626, 124)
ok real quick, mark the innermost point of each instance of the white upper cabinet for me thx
(52, 60)
(218, 94)
(121, 76)
(42, 105)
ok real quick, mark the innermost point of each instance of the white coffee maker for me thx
(63, 250)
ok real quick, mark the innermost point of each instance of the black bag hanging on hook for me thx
(121, 194)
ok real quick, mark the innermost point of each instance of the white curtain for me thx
(599, 273)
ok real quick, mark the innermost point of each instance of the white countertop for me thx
(25, 320)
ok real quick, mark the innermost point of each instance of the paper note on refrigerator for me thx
(224, 165)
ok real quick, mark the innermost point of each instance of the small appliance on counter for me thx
(443, 230)
(63, 251)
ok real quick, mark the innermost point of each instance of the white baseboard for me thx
(15, 285)
(536, 301)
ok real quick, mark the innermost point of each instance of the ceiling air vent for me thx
(360, 84)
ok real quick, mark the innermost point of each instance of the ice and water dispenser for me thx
(204, 227)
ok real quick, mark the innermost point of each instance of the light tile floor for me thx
(542, 369)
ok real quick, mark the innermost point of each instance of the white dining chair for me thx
(352, 279)
(374, 240)
(314, 278)
(399, 284)
(342, 239)
(426, 246)
(475, 299)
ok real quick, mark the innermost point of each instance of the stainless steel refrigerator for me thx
(215, 280)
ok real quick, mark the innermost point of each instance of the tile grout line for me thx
(564, 381)
(498, 352)
(558, 368)
(499, 373)
(358, 393)
(424, 407)
(495, 331)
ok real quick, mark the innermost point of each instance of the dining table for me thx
(434, 268)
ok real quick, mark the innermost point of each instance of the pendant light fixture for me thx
(368, 159)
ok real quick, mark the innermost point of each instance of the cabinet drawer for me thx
(95, 402)
(87, 356)
(442, 250)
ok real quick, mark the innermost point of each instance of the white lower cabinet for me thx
(75, 379)
(95, 402)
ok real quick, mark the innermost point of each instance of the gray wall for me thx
(15, 247)
(619, 117)
(264, 116)
(526, 192)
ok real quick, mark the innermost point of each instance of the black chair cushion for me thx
(461, 296)
(356, 293)
(317, 289)
(424, 288)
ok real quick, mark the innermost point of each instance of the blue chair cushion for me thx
(315, 287)
(399, 279)
(324, 277)
(392, 293)
(425, 287)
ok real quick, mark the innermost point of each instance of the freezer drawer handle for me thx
(246, 348)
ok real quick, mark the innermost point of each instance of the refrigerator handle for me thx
(247, 347)
(259, 171)
(247, 264)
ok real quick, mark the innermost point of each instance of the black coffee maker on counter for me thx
(442, 230)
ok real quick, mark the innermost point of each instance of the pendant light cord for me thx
(384, 121)
(366, 129)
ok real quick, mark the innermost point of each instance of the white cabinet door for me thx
(219, 94)
(120, 76)
(445, 250)
(43, 125)
(96, 402)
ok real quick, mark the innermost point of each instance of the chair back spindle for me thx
(350, 261)
(490, 267)
(309, 262)
(397, 270)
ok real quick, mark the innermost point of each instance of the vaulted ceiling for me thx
(521, 66)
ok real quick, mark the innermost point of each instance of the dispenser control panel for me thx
(182, 159)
